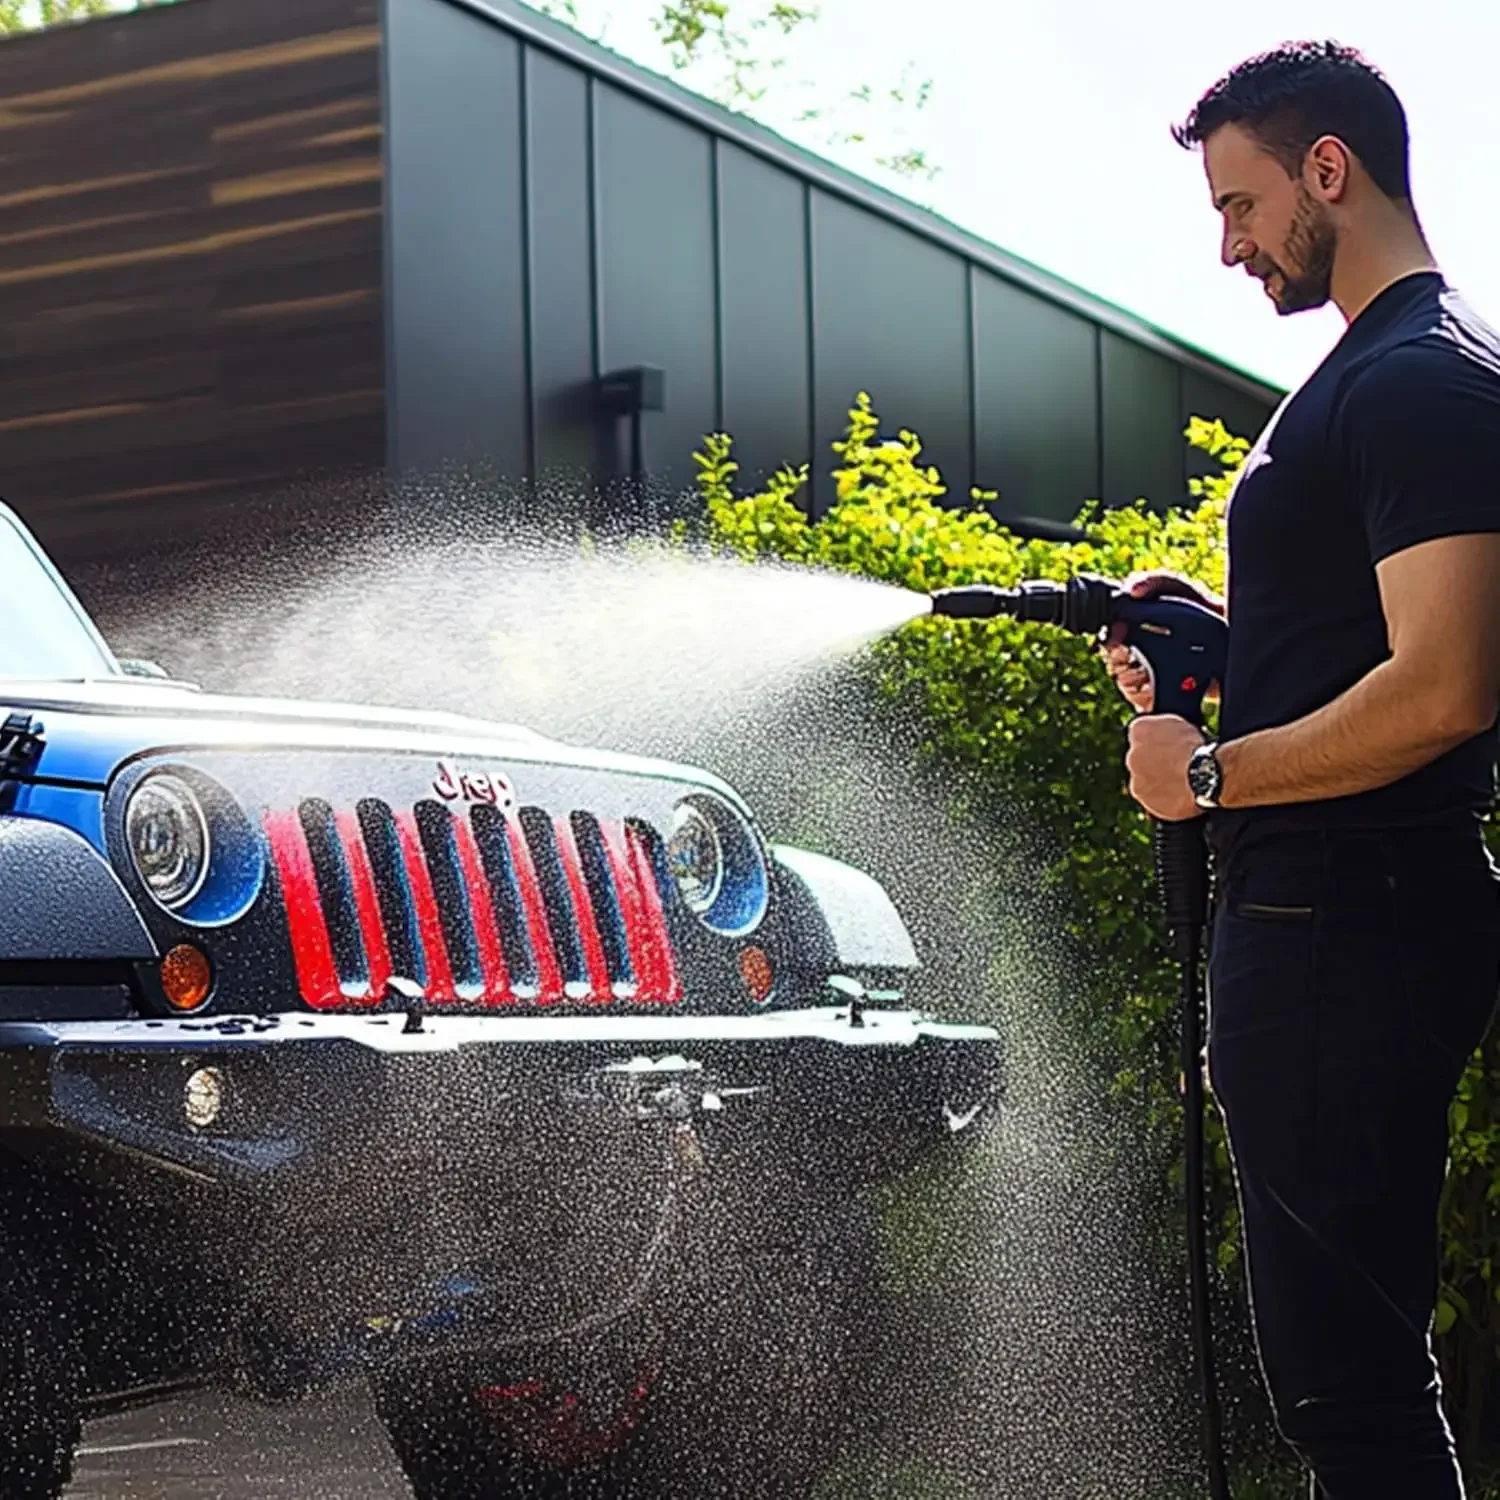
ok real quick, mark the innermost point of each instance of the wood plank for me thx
(300, 79)
(259, 121)
(217, 68)
(256, 291)
(259, 237)
(328, 446)
(172, 370)
(30, 255)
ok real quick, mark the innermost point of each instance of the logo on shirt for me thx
(1258, 456)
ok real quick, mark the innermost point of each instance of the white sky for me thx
(1050, 125)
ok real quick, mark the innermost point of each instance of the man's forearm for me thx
(1383, 728)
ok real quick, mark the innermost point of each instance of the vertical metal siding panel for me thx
(1035, 388)
(1097, 397)
(455, 201)
(820, 493)
(657, 277)
(596, 261)
(1142, 436)
(716, 189)
(766, 380)
(891, 311)
(1203, 397)
(971, 334)
(562, 278)
(388, 10)
(528, 333)
(1183, 451)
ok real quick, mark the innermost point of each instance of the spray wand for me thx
(1183, 646)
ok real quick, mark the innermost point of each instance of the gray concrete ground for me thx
(215, 1447)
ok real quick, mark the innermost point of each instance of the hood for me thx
(92, 727)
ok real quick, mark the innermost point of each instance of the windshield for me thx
(43, 630)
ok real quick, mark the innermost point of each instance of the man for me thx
(1356, 943)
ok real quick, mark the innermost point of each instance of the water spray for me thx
(1183, 646)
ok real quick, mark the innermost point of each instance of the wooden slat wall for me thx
(190, 264)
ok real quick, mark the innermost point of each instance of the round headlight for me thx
(716, 860)
(695, 858)
(167, 832)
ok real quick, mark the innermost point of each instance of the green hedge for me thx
(1030, 715)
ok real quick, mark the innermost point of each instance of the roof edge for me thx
(572, 46)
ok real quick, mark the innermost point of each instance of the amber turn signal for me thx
(755, 970)
(186, 977)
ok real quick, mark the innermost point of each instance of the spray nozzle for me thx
(1083, 604)
(979, 601)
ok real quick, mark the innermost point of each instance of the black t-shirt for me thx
(1392, 441)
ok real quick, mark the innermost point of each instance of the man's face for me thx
(1273, 225)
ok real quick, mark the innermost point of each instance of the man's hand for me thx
(1160, 747)
(1123, 664)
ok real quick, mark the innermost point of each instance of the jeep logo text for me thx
(454, 785)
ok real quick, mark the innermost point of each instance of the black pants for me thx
(1351, 976)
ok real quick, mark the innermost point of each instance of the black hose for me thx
(1182, 877)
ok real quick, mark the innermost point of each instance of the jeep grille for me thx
(475, 911)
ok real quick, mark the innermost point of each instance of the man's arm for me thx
(1439, 687)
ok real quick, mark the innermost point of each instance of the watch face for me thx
(1203, 773)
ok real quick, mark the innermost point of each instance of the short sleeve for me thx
(1419, 428)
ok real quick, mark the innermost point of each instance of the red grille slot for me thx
(497, 990)
(670, 981)
(588, 929)
(548, 975)
(650, 952)
(372, 929)
(317, 974)
(440, 989)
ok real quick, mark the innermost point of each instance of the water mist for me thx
(1039, 1356)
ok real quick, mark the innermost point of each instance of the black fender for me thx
(61, 901)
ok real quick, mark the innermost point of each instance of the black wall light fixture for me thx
(630, 393)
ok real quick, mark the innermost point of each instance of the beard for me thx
(1310, 246)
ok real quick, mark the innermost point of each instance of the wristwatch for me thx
(1205, 775)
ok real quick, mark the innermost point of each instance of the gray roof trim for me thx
(562, 41)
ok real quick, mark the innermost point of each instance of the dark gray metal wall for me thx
(554, 213)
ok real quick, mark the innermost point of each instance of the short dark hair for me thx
(1290, 97)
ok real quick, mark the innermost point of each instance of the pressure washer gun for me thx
(1182, 644)
(1184, 647)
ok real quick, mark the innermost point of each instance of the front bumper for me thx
(521, 1174)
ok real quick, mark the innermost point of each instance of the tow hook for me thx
(672, 1105)
(672, 1088)
(640, 1089)
(854, 992)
